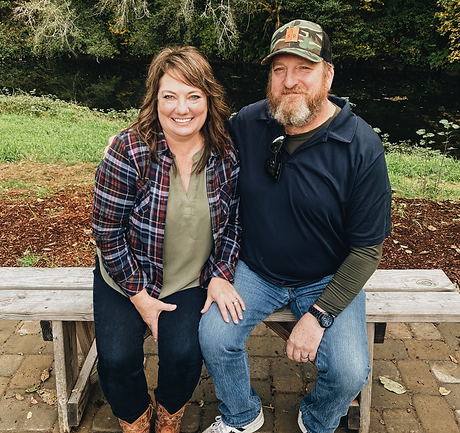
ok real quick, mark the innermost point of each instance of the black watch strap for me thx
(324, 318)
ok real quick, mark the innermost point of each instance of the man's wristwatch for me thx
(324, 319)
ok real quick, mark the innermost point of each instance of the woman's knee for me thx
(119, 360)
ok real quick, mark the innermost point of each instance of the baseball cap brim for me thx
(295, 51)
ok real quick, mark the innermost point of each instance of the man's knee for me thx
(351, 376)
(218, 337)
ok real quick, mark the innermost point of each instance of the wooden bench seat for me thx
(64, 296)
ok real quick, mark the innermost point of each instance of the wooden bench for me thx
(64, 296)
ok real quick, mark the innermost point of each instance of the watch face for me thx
(326, 320)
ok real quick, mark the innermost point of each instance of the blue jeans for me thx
(120, 340)
(342, 359)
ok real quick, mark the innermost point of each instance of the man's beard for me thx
(296, 111)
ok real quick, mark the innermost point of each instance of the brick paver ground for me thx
(421, 357)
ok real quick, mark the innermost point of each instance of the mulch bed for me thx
(56, 230)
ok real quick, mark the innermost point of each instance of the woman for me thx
(165, 220)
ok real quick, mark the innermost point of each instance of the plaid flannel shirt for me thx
(129, 213)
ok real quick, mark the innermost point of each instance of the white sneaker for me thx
(220, 427)
(302, 427)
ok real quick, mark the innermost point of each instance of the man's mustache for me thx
(295, 89)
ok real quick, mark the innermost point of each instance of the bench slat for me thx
(409, 280)
(46, 278)
(77, 305)
(399, 307)
(387, 280)
(413, 307)
(65, 305)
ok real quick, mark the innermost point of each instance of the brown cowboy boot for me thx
(141, 425)
(167, 423)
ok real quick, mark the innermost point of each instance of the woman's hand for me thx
(150, 308)
(227, 298)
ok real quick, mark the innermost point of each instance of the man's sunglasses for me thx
(274, 163)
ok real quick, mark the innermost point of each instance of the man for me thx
(315, 210)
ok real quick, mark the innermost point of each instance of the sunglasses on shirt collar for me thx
(274, 163)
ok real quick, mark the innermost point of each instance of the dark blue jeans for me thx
(120, 339)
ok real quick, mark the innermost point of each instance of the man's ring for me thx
(304, 357)
(235, 302)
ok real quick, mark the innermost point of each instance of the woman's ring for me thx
(235, 302)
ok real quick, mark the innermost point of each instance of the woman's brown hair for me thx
(188, 64)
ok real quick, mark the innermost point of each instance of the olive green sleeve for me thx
(350, 278)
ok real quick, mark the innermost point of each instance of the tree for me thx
(386, 32)
(450, 24)
(59, 23)
(48, 19)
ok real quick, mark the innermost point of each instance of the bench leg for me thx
(85, 335)
(80, 394)
(365, 401)
(66, 367)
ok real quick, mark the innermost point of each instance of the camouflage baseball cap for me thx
(301, 38)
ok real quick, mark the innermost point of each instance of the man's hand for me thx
(304, 340)
(106, 150)
(150, 308)
(227, 298)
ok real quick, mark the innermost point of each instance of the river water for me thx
(397, 102)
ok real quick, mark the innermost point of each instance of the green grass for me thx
(49, 130)
(53, 140)
(28, 259)
(424, 175)
(418, 171)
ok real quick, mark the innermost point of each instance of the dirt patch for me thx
(53, 228)
(33, 175)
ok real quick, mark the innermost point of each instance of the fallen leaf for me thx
(19, 396)
(431, 228)
(395, 241)
(29, 415)
(424, 252)
(444, 391)
(453, 359)
(404, 246)
(408, 251)
(45, 374)
(32, 389)
(48, 396)
(33, 400)
(391, 385)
